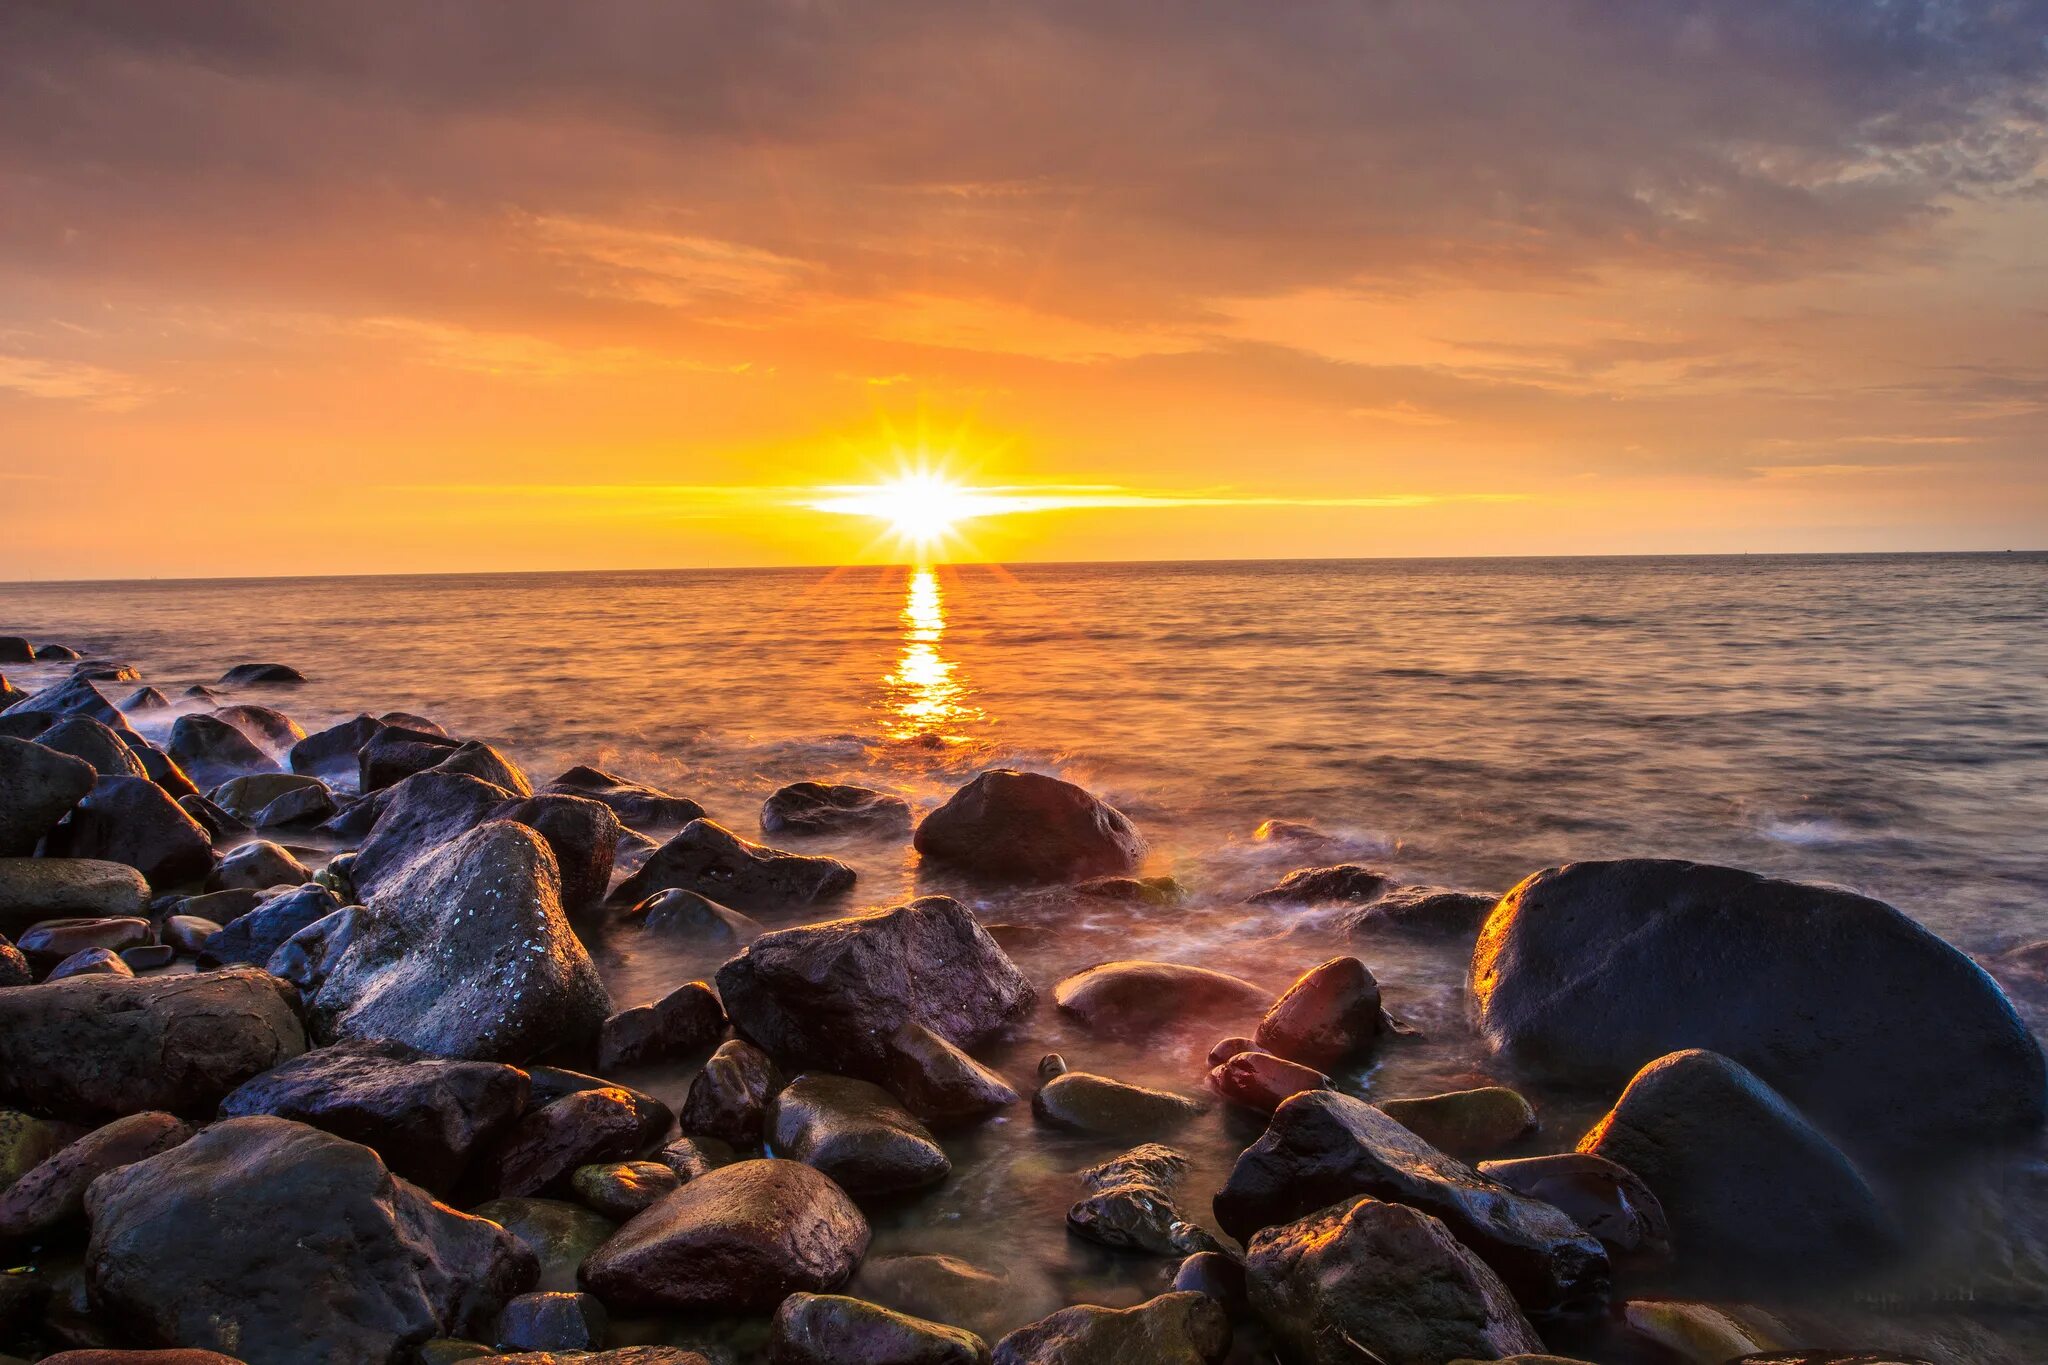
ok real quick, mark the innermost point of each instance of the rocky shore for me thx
(305, 1056)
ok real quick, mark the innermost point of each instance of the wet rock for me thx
(711, 860)
(635, 803)
(831, 995)
(1603, 1197)
(1466, 1123)
(356, 816)
(690, 1157)
(161, 768)
(309, 956)
(76, 695)
(1295, 832)
(547, 1144)
(91, 742)
(25, 1143)
(940, 1084)
(14, 968)
(1330, 1016)
(1368, 1280)
(1027, 827)
(426, 1117)
(175, 1355)
(213, 751)
(38, 786)
(551, 1083)
(36, 889)
(831, 1329)
(1051, 1065)
(256, 936)
(635, 849)
(53, 1192)
(624, 1355)
(257, 865)
(687, 915)
(821, 808)
(739, 1239)
(269, 729)
(16, 723)
(422, 813)
(1754, 1193)
(132, 820)
(395, 753)
(559, 1234)
(1344, 883)
(48, 943)
(331, 754)
(1422, 912)
(147, 957)
(1260, 1081)
(100, 1047)
(1587, 972)
(685, 1021)
(286, 1243)
(15, 649)
(584, 836)
(222, 907)
(9, 693)
(1132, 1206)
(1214, 1273)
(1151, 995)
(220, 826)
(90, 962)
(267, 800)
(856, 1133)
(551, 1322)
(474, 758)
(1099, 1106)
(938, 1288)
(1133, 890)
(1173, 1329)
(145, 699)
(466, 954)
(1322, 1147)
(246, 675)
(620, 1189)
(201, 692)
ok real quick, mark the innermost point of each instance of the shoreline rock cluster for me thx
(302, 1056)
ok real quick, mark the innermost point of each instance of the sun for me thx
(922, 506)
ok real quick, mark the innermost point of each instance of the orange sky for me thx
(379, 287)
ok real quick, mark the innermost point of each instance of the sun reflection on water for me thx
(924, 696)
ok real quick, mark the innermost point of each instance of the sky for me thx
(376, 287)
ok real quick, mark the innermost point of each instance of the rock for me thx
(244, 675)
(1051, 1065)
(551, 1083)
(739, 1239)
(475, 758)
(1026, 827)
(9, 693)
(88, 740)
(287, 1243)
(53, 1192)
(1422, 912)
(1133, 890)
(686, 1020)
(213, 751)
(584, 836)
(37, 889)
(201, 692)
(1466, 1123)
(257, 865)
(188, 934)
(831, 995)
(938, 1288)
(687, 915)
(552, 1322)
(267, 800)
(1132, 1206)
(1587, 972)
(547, 1145)
(819, 808)
(161, 768)
(270, 730)
(466, 954)
(625, 1355)
(1214, 1273)
(856, 1133)
(1322, 1147)
(560, 1234)
(308, 957)
(620, 1189)
(38, 786)
(711, 860)
(16, 723)
(99, 1046)
(146, 957)
(690, 1157)
(1260, 1081)
(1754, 1193)
(14, 968)
(1345, 883)
(257, 935)
(132, 820)
(1330, 1016)
(25, 1143)
(407, 720)
(426, 1117)
(145, 699)
(330, 754)
(1141, 996)
(1173, 1329)
(423, 813)
(1373, 1281)
(638, 805)
(48, 943)
(90, 962)
(831, 1329)
(220, 826)
(171, 1356)
(356, 817)
(395, 753)
(940, 1084)
(1603, 1197)
(76, 695)
(15, 649)
(1102, 1107)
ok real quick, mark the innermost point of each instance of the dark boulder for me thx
(37, 889)
(220, 826)
(1260, 1081)
(687, 1020)
(245, 675)
(1466, 1123)
(76, 695)
(687, 915)
(426, 1117)
(257, 865)
(53, 1192)
(131, 820)
(551, 1322)
(256, 936)
(1603, 1197)
(87, 739)
(15, 649)
(474, 758)
(395, 753)
(90, 962)
(267, 800)
(738, 1240)
(1027, 827)
(145, 699)
(330, 754)
(1345, 883)
(1133, 890)
(1883, 1034)
(711, 860)
(547, 1144)
(50, 942)
(145, 957)
(583, 834)
(161, 767)
(268, 729)
(636, 804)
(1132, 1204)
(14, 968)
(284, 1243)
(729, 1098)
(422, 813)
(306, 958)
(856, 1133)
(1330, 1016)
(559, 1234)
(1100, 1107)
(551, 1083)
(1141, 996)
(211, 751)
(833, 808)
(831, 1329)
(1217, 1274)
(938, 1082)
(690, 1157)
(831, 995)
(1422, 912)
(1173, 1329)
(620, 1189)
(38, 786)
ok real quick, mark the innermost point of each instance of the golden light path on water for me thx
(924, 696)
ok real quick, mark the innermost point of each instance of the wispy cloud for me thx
(69, 381)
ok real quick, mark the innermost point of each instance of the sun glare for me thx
(922, 508)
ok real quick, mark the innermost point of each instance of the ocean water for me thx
(1879, 722)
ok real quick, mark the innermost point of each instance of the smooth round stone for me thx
(49, 943)
(1096, 1104)
(24, 1143)
(686, 914)
(1329, 1016)
(832, 1329)
(690, 1157)
(1259, 1080)
(188, 933)
(148, 957)
(1136, 996)
(90, 962)
(855, 1132)
(620, 1189)
(551, 1321)
(1466, 1123)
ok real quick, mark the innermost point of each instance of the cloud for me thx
(70, 381)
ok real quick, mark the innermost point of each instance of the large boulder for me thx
(831, 1329)
(252, 675)
(478, 759)
(711, 860)
(635, 803)
(256, 935)
(687, 1020)
(425, 1116)
(938, 1082)
(1322, 1147)
(212, 751)
(269, 729)
(833, 808)
(36, 889)
(93, 742)
(395, 753)
(1132, 1204)
(38, 786)
(1884, 1035)
(330, 754)
(1372, 1281)
(53, 1193)
(1330, 1016)
(15, 649)
(1101, 1107)
(466, 954)
(1137, 996)
(729, 1098)
(1027, 827)
(1754, 1193)
(1341, 884)
(282, 1243)
(267, 800)
(583, 834)
(134, 821)
(1182, 1328)
(97, 1047)
(256, 866)
(543, 1150)
(831, 995)
(739, 1239)
(1603, 1197)
(856, 1133)
(76, 695)
(422, 813)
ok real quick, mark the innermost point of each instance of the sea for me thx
(1878, 722)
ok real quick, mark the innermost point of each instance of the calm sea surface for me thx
(1879, 722)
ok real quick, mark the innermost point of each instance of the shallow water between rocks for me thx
(1879, 722)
